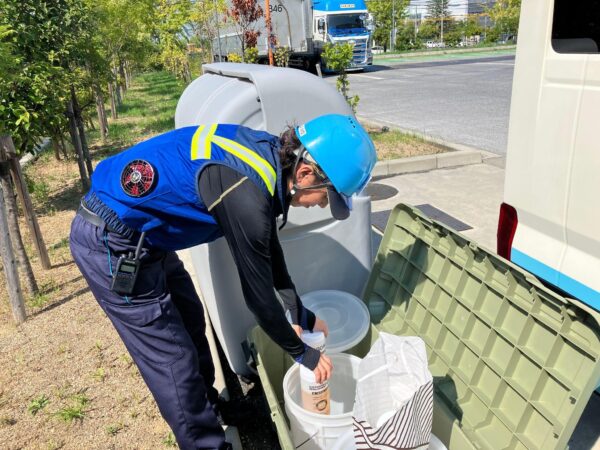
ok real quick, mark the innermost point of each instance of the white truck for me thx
(549, 222)
(305, 26)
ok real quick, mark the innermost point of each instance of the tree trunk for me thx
(101, 114)
(128, 73)
(189, 72)
(123, 77)
(56, 148)
(117, 86)
(103, 111)
(8, 153)
(85, 180)
(63, 145)
(8, 261)
(113, 103)
(118, 94)
(15, 234)
(80, 126)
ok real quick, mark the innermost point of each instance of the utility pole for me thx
(485, 21)
(416, 15)
(269, 31)
(442, 29)
(393, 43)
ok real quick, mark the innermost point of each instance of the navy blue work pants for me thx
(162, 325)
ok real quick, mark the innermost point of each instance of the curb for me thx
(458, 155)
(443, 52)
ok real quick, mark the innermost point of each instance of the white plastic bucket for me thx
(346, 442)
(311, 431)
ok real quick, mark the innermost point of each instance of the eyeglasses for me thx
(325, 183)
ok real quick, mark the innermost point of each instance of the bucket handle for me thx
(386, 366)
(307, 440)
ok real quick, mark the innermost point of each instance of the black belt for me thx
(93, 218)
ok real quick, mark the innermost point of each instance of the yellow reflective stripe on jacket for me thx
(208, 140)
(202, 136)
(253, 159)
(195, 139)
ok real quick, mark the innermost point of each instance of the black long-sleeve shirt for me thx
(247, 219)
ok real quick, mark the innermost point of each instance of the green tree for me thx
(251, 56)
(427, 30)
(470, 27)
(33, 92)
(338, 57)
(205, 18)
(439, 12)
(505, 15)
(126, 39)
(384, 14)
(453, 37)
(281, 55)
(172, 17)
(405, 37)
(8, 61)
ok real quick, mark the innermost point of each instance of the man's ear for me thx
(303, 171)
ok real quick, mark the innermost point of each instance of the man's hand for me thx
(298, 330)
(321, 325)
(323, 370)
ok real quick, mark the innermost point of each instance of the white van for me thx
(550, 220)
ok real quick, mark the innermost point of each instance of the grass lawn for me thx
(66, 380)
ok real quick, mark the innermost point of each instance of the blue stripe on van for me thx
(578, 290)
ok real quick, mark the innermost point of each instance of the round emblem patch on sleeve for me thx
(138, 178)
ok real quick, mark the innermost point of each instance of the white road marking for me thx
(496, 63)
(367, 76)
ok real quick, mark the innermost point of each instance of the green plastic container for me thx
(514, 364)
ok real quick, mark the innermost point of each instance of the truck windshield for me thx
(347, 24)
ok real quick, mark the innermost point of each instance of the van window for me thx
(576, 26)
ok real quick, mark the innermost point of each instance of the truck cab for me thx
(343, 21)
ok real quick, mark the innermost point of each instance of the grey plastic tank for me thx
(321, 252)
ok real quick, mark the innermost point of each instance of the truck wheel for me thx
(308, 65)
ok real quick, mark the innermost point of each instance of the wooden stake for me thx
(85, 181)
(15, 295)
(113, 103)
(8, 152)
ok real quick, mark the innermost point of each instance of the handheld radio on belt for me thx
(126, 272)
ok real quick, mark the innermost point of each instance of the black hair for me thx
(289, 144)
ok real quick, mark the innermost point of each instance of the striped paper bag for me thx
(394, 395)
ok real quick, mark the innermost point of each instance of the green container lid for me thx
(514, 364)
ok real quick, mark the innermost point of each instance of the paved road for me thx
(464, 101)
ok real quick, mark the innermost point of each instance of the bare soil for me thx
(67, 351)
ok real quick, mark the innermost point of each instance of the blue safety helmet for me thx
(343, 150)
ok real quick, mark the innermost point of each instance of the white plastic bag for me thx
(394, 395)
